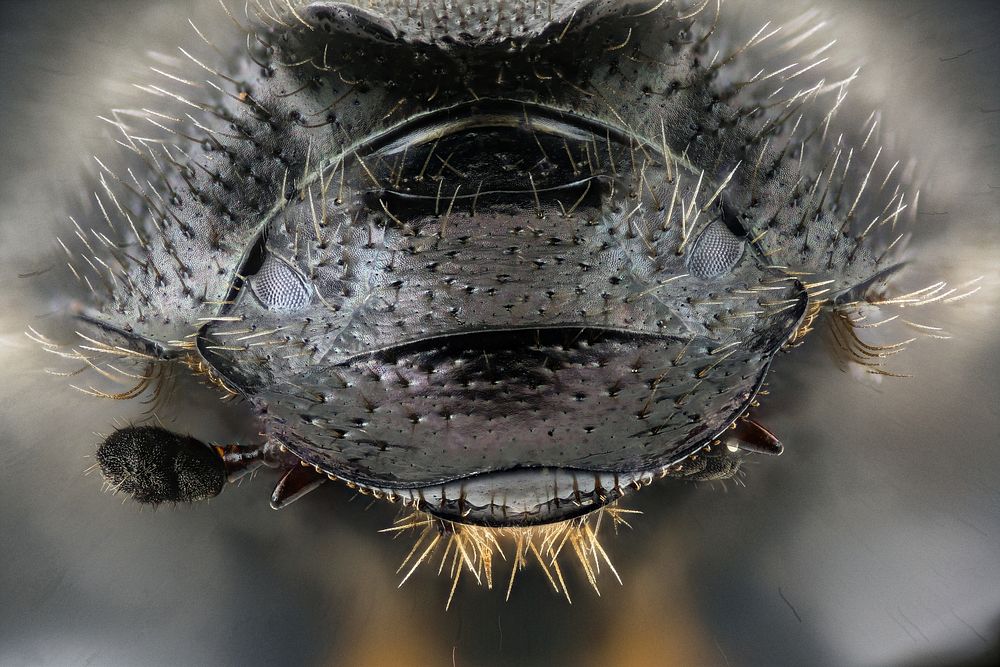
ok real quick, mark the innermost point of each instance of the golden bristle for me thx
(148, 375)
(201, 368)
(844, 331)
(472, 548)
(813, 311)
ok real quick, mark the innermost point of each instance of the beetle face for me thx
(503, 262)
(509, 347)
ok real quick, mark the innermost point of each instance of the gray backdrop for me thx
(875, 540)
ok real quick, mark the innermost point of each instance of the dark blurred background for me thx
(875, 539)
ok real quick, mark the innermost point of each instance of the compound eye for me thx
(715, 252)
(280, 287)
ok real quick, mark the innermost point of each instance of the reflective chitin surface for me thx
(872, 541)
(439, 261)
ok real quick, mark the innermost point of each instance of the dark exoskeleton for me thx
(504, 261)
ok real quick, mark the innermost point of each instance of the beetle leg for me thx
(750, 436)
(295, 483)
